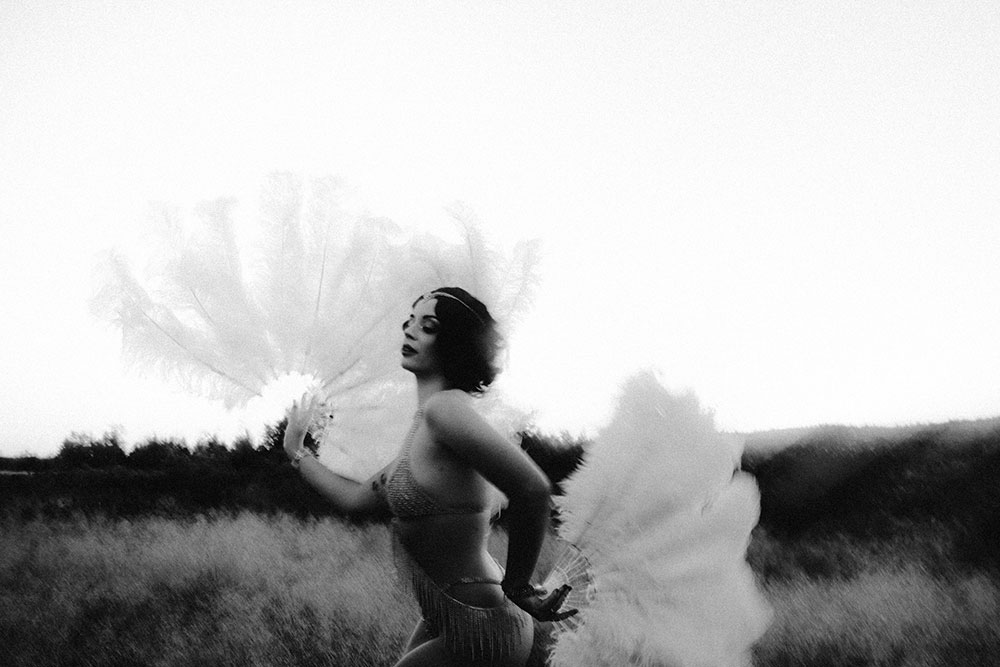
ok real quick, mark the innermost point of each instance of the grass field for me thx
(898, 603)
(253, 590)
(228, 591)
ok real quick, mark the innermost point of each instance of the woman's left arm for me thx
(455, 423)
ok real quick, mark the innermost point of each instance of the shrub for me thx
(81, 450)
(157, 454)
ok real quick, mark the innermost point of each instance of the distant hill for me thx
(764, 442)
(871, 483)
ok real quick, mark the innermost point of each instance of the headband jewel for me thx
(434, 295)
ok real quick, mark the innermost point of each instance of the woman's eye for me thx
(406, 323)
(429, 328)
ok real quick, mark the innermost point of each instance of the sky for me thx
(790, 209)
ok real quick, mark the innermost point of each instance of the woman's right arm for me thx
(347, 495)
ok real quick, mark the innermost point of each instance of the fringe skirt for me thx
(475, 633)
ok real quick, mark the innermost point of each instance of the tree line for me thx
(938, 484)
(934, 481)
(95, 476)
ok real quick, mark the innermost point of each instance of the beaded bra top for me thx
(406, 498)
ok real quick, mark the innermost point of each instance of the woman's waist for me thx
(444, 533)
(451, 561)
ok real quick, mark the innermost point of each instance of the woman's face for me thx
(419, 333)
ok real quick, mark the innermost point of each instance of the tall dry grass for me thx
(885, 617)
(229, 591)
(250, 590)
(896, 602)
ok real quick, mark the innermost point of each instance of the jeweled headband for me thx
(434, 295)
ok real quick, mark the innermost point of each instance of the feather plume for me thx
(506, 283)
(172, 342)
(313, 302)
(662, 517)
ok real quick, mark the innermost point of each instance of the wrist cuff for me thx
(299, 455)
(517, 591)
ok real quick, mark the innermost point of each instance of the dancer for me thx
(439, 492)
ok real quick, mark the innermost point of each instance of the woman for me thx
(439, 490)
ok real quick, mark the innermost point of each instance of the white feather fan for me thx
(314, 301)
(663, 523)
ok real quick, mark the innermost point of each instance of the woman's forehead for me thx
(425, 306)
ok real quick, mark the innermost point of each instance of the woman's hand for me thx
(301, 415)
(542, 605)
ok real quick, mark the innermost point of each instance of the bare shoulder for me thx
(456, 424)
(448, 409)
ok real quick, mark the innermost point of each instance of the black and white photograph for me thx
(499, 334)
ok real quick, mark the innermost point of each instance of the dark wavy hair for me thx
(468, 343)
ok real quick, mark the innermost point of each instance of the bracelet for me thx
(518, 592)
(299, 455)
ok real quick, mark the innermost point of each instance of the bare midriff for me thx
(451, 547)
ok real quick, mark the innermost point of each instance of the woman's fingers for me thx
(563, 615)
(547, 606)
(306, 404)
(558, 598)
(302, 410)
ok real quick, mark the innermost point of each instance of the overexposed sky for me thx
(791, 209)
